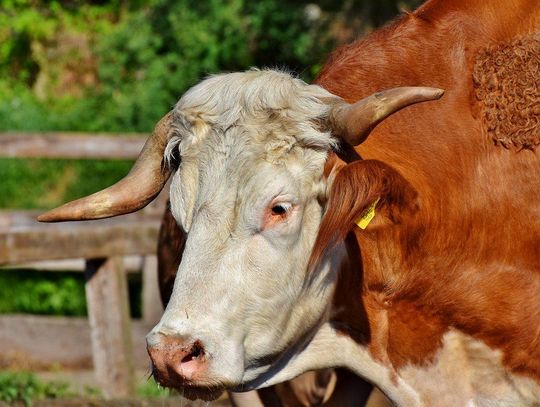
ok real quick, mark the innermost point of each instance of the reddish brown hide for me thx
(455, 242)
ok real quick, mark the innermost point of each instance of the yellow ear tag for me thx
(367, 215)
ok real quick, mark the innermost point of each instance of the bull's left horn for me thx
(354, 122)
(137, 189)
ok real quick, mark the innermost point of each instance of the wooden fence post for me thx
(108, 314)
(151, 301)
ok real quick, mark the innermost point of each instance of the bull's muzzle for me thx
(176, 362)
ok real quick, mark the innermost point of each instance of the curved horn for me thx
(354, 122)
(137, 189)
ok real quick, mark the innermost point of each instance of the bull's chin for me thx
(200, 393)
(192, 390)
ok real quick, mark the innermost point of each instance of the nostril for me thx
(176, 362)
(196, 352)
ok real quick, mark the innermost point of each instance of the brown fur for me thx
(464, 253)
(171, 244)
(356, 186)
(507, 82)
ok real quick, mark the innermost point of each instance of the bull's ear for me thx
(364, 194)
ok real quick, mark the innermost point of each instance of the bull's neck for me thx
(411, 311)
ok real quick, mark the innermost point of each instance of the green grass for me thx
(26, 387)
(151, 390)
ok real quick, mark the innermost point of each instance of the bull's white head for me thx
(249, 191)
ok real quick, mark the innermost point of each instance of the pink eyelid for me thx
(270, 220)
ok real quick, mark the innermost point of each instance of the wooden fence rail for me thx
(102, 243)
(70, 145)
(23, 239)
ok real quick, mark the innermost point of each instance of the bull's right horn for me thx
(137, 189)
(354, 122)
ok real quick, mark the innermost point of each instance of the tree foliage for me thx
(118, 66)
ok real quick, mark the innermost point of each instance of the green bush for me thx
(108, 67)
(53, 293)
(43, 183)
(118, 66)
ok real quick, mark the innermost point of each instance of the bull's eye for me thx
(280, 209)
(278, 212)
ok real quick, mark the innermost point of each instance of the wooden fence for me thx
(103, 244)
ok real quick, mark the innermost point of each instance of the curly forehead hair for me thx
(275, 102)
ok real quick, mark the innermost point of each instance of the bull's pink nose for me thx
(177, 362)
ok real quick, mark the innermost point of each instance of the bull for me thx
(410, 257)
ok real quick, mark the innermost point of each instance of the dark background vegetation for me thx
(118, 66)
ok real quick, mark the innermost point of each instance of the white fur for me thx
(465, 372)
(246, 139)
(468, 372)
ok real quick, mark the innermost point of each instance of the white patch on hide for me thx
(467, 372)
(330, 348)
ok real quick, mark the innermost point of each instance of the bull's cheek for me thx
(268, 318)
(284, 309)
(274, 334)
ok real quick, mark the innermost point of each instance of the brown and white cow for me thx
(436, 300)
